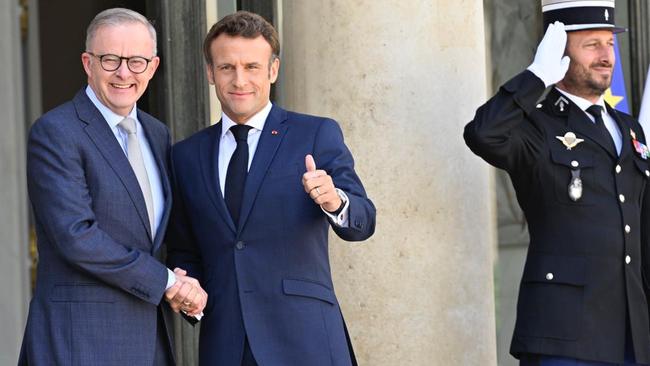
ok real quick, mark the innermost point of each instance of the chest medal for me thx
(639, 147)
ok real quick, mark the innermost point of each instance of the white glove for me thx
(549, 65)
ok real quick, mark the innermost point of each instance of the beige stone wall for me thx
(403, 78)
(13, 196)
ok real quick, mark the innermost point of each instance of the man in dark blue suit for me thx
(98, 181)
(252, 212)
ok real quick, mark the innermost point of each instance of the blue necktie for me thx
(237, 172)
(597, 112)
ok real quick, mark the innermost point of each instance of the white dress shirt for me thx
(611, 125)
(228, 144)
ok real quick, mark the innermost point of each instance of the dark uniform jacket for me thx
(584, 270)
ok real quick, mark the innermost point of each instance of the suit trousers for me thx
(247, 357)
(162, 355)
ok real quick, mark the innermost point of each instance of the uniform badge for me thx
(561, 102)
(569, 140)
(575, 186)
(639, 147)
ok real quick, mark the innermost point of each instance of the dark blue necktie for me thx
(237, 172)
(597, 112)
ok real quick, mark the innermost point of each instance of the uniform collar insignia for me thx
(569, 140)
(561, 102)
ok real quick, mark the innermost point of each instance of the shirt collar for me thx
(110, 116)
(257, 121)
(583, 103)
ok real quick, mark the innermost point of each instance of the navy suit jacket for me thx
(269, 278)
(99, 283)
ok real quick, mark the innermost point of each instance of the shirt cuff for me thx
(340, 220)
(171, 279)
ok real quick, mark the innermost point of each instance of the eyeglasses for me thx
(109, 62)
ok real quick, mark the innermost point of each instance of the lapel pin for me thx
(569, 140)
(274, 132)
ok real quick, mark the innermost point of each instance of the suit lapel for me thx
(158, 143)
(100, 133)
(209, 160)
(626, 147)
(274, 131)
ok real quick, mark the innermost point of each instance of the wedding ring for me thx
(317, 191)
(186, 303)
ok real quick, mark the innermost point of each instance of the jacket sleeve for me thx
(63, 208)
(335, 158)
(502, 132)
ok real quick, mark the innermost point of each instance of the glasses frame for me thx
(127, 59)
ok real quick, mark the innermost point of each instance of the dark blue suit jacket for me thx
(269, 278)
(98, 282)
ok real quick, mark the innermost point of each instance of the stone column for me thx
(13, 197)
(402, 79)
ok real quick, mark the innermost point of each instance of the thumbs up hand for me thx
(320, 187)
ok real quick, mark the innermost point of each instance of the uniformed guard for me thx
(580, 170)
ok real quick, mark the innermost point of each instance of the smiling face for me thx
(242, 72)
(119, 90)
(592, 63)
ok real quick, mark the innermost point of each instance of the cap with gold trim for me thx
(581, 14)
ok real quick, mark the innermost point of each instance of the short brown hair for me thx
(244, 24)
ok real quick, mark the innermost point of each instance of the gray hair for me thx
(118, 16)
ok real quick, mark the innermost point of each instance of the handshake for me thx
(186, 295)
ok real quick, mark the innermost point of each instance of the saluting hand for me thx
(550, 64)
(320, 187)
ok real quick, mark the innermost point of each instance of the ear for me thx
(153, 65)
(275, 69)
(85, 61)
(209, 73)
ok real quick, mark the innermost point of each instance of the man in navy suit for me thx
(254, 198)
(98, 181)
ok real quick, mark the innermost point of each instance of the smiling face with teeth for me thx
(119, 90)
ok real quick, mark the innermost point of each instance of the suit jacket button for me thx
(618, 169)
(240, 245)
(628, 259)
(549, 276)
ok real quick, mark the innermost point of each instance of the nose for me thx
(240, 78)
(123, 71)
(607, 54)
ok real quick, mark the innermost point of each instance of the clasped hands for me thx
(320, 187)
(186, 294)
